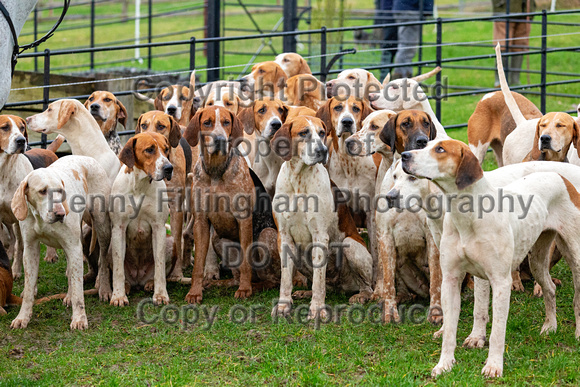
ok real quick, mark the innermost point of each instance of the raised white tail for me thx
(505, 89)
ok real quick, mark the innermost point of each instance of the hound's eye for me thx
(144, 126)
(107, 100)
(322, 133)
(167, 98)
(395, 87)
(412, 178)
(6, 128)
(91, 98)
(355, 109)
(405, 123)
(42, 191)
(226, 122)
(303, 134)
(439, 149)
(374, 127)
(161, 127)
(183, 98)
(262, 110)
(425, 123)
(150, 150)
(229, 103)
(351, 77)
(286, 60)
(167, 150)
(49, 110)
(207, 123)
(210, 103)
(338, 108)
(261, 71)
(280, 110)
(394, 177)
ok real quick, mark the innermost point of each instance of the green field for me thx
(121, 349)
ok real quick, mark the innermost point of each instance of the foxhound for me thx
(292, 64)
(265, 79)
(139, 241)
(490, 241)
(241, 220)
(6, 296)
(304, 90)
(108, 111)
(311, 221)
(358, 83)
(261, 122)
(51, 204)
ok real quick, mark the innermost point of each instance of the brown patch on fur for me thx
(304, 90)
(5, 134)
(268, 76)
(295, 64)
(257, 116)
(572, 192)
(135, 154)
(116, 111)
(297, 111)
(468, 169)
(401, 131)
(559, 125)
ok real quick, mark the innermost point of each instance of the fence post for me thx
(438, 59)
(289, 42)
(35, 38)
(213, 31)
(45, 91)
(192, 53)
(150, 33)
(421, 18)
(507, 41)
(92, 64)
(544, 60)
(323, 54)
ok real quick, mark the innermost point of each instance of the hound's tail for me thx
(507, 95)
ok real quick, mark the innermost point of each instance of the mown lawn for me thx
(121, 349)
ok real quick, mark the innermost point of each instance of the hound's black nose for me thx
(171, 110)
(20, 142)
(347, 122)
(168, 171)
(276, 125)
(406, 156)
(95, 107)
(545, 140)
(422, 142)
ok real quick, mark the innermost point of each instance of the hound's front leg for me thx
(435, 312)
(388, 259)
(287, 251)
(246, 236)
(501, 288)
(176, 222)
(18, 252)
(158, 233)
(201, 229)
(74, 254)
(31, 262)
(118, 247)
(319, 262)
(476, 338)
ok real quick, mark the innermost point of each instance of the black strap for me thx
(20, 49)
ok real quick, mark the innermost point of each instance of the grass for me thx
(120, 349)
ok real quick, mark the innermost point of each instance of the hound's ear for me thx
(285, 112)
(19, 205)
(237, 130)
(66, 112)
(389, 133)
(304, 68)
(366, 110)
(138, 127)
(576, 136)
(87, 102)
(192, 83)
(191, 133)
(121, 114)
(174, 133)
(469, 171)
(432, 129)
(536, 152)
(25, 131)
(64, 201)
(324, 114)
(281, 77)
(127, 155)
(158, 103)
(246, 116)
(282, 142)
(372, 79)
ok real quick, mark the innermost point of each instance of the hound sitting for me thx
(313, 223)
(239, 220)
(51, 204)
(261, 122)
(292, 64)
(555, 134)
(108, 111)
(139, 242)
(491, 243)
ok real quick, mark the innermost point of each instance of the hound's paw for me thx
(378, 294)
(557, 282)
(442, 366)
(517, 285)
(438, 334)
(242, 293)
(318, 312)
(105, 293)
(193, 298)
(176, 275)
(492, 369)
(16, 273)
(67, 300)
(161, 299)
(548, 327)
(90, 276)
(474, 341)
(299, 280)
(361, 298)
(301, 294)
(390, 313)
(79, 323)
(149, 286)
(282, 309)
(19, 323)
(120, 300)
(51, 258)
(211, 274)
(435, 315)
(2, 311)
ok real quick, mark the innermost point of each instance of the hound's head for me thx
(13, 136)
(449, 163)
(107, 110)
(56, 118)
(366, 141)
(149, 153)
(401, 94)
(555, 132)
(408, 130)
(266, 116)
(266, 78)
(406, 186)
(353, 82)
(292, 64)
(224, 97)
(44, 193)
(303, 137)
(344, 117)
(304, 90)
(219, 129)
(159, 122)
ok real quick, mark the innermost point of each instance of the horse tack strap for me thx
(14, 36)
(20, 49)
